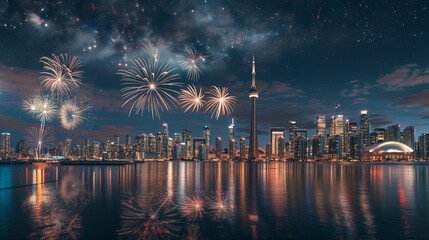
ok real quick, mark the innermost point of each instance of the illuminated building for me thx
(335, 147)
(68, 147)
(275, 134)
(318, 146)
(423, 146)
(389, 151)
(177, 151)
(207, 137)
(242, 148)
(231, 130)
(164, 141)
(158, 138)
(393, 133)
(116, 144)
(128, 141)
(232, 148)
(299, 147)
(177, 138)
(5, 145)
(21, 148)
(409, 137)
(281, 147)
(268, 151)
(364, 127)
(253, 94)
(350, 128)
(200, 149)
(152, 143)
(355, 142)
(321, 124)
(218, 149)
(291, 127)
(187, 139)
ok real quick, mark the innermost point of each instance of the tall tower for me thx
(253, 94)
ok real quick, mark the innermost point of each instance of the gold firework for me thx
(191, 98)
(149, 84)
(220, 102)
(61, 73)
(191, 62)
(74, 113)
(41, 106)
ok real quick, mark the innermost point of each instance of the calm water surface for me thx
(215, 200)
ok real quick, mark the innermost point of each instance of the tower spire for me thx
(253, 71)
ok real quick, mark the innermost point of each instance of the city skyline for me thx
(358, 66)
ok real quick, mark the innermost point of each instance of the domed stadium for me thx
(389, 151)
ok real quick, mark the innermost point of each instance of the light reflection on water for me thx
(212, 200)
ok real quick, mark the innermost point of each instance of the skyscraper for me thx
(207, 137)
(164, 141)
(231, 130)
(5, 145)
(177, 138)
(292, 126)
(275, 134)
(253, 94)
(67, 147)
(364, 128)
(393, 133)
(218, 149)
(318, 146)
(281, 147)
(409, 137)
(232, 148)
(187, 139)
(268, 151)
(128, 140)
(158, 138)
(21, 148)
(321, 125)
(116, 144)
(242, 148)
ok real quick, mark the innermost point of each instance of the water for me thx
(215, 200)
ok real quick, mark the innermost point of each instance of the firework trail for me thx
(75, 113)
(41, 106)
(61, 74)
(191, 98)
(192, 63)
(151, 50)
(149, 84)
(39, 137)
(149, 218)
(192, 208)
(220, 102)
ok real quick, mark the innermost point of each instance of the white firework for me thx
(74, 113)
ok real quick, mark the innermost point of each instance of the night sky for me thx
(310, 56)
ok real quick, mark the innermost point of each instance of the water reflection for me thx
(197, 200)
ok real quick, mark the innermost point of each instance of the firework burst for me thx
(40, 137)
(74, 113)
(61, 73)
(192, 208)
(192, 63)
(149, 84)
(220, 102)
(149, 218)
(41, 106)
(191, 98)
